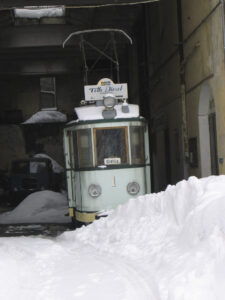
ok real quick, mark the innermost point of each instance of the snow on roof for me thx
(39, 207)
(56, 167)
(92, 112)
(46, 116)
(38, 13)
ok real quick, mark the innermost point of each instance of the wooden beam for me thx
(7, 4)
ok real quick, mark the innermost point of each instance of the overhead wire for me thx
(83, 6)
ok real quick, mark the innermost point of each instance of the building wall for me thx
(165, 99)
(201, 71)
(202, 26)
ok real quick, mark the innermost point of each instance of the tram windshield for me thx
(111, 146)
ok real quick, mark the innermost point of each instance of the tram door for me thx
(70, 163)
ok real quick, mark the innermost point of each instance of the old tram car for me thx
(107, 153)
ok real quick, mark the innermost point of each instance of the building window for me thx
(47, 93)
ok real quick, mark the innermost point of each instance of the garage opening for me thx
(41, 82)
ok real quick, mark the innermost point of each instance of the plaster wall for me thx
(204, 65)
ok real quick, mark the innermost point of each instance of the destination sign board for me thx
(105, 86)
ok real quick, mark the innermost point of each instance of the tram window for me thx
(84, 148)
(137, 144)
(111, 146)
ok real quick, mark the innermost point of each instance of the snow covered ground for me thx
(165, 246)
(39, 207)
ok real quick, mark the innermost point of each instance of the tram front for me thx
(107, 157)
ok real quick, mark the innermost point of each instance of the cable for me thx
(85, 6)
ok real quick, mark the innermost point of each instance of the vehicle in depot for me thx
(106, 152)
(32, 175)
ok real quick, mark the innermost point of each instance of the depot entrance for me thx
(41, 81)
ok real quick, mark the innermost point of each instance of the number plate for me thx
(112, 161)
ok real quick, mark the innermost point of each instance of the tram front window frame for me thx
(89, 148)
(104, 139)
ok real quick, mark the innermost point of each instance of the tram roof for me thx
(93, 112)
(81, 122)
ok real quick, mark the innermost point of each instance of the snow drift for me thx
(177, 235)
(39, 207)
(165, 246)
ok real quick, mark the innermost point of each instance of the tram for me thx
(106, 152)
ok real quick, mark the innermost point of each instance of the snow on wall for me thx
(35, 13)
(95, 112)
(46, 116)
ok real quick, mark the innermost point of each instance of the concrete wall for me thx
(165, 108)
(12, 145)
(23, 93)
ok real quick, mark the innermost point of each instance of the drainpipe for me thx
(223, 22)
(183, 91)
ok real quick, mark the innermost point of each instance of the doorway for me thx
(207, 133)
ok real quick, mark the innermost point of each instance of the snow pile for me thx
(176, 237)
(56, 167)
(95, 112)
(38, 13)
(165, 246)
(39, 207)
(46, 116)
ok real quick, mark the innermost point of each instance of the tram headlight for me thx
(133, 188)
(109, 101)
(94, 190)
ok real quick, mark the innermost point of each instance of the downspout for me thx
(223, 22)
(183, 91)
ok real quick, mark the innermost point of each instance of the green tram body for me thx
(104, 160)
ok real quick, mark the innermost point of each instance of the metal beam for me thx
(7, 4)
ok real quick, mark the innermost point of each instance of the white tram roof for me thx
(92, 112)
